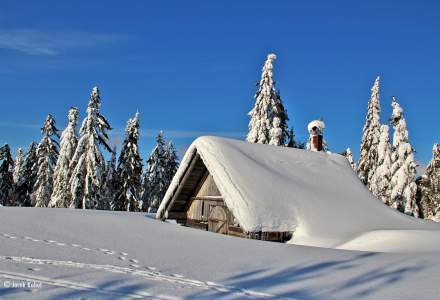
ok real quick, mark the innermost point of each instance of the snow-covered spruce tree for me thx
(349, 155)
(110, 185)
(161, 168)
(403, 168)
(268, 105)
(6, 178)
(155, 181)
(18, 164)
(429, 188)
(172, 163)
(380, 182)
(129, 170)
(88, 163)
(367, 163)
(61, 196)
(47, 155)
(23, 191)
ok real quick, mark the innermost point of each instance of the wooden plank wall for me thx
(204, 198)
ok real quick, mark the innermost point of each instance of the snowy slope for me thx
(77, 254)
(315, 194)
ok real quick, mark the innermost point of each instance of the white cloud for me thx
(178, 134)
(36, 42)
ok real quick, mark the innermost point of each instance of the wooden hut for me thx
(195, 200)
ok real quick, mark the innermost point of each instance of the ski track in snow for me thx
(147, 272)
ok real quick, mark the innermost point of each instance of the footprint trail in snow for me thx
(133, 268)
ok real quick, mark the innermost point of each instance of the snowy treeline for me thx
(70, 170)
(389, 169)
(75, 174)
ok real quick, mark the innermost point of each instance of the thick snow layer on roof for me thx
(314, 194)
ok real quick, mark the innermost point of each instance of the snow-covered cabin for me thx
(271, 193)
(215, 189)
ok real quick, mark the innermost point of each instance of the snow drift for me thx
(315, 194)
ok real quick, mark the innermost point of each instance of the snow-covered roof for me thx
(272, 188)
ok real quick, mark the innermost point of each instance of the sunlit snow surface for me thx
(75, 254)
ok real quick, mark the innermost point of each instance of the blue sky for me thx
(190, 67)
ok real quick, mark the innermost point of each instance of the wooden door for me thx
(217, 221)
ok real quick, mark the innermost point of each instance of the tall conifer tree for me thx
(403, 168)
(88, 163)
(47, 155)
(172, 162)
(368, 160)
(61, 196)
(268, 105)
(6, 178)
(23, 191)
(129, 170)
(155, 182)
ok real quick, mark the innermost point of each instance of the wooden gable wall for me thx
(207, 210)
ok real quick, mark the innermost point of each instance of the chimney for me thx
(316, 139)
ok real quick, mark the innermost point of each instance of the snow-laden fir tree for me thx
(23, 191)
(88, 163)
(161, 167)
(349, 155)
(47, 155)
(268, 105)
(128, 194)
(110, 183)
(164, 165)
(172, 163)
(403, 168)
(367, 163)
(18, 164)
(6, 178)
(429, 188)
(380, 182)
(61, 196)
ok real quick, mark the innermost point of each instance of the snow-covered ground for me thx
(75, 254)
